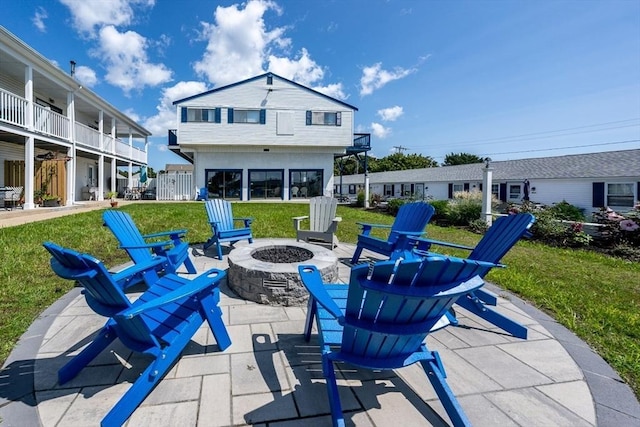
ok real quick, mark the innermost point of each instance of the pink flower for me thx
(614, 216)
(629, 225)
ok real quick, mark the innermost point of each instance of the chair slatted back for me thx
(103, 295)
(220, 212)
(411, 217)
(127, 233)
(501, 237)
(389, 313)
(322, 212)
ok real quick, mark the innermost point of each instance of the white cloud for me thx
(390, 114)
(166, 117)
(86, 76)
(126, 60)
(375, 77)
(89, 14)
(333, 90)
(302, 69)
(380, 131)
(238, 42)
(38, 19)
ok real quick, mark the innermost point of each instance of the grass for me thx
(595, 296)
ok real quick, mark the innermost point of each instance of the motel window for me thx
(458, 188)
(265, 184)
(306, 183)
(224, 184)
(495, 190)
(388, 190)
(324, 118)
(515, 191)
(246, 116)
(406, 190)
(209, 115)
(620, 194)
(352, 189)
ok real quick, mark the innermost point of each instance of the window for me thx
(246, 116)
(306, 183)
(514, 191)
(406, 190)
(324, 118)
(458, 188)
(210, 115)
(495, 190)
(352, 189)
(265, 184)
(620, 194)
(224, 184)
(388, 190)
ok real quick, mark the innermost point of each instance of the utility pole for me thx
(400, 148)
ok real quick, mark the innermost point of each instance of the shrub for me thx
(478, 226)
(360, 199)
(617, 229)
(550, 229)
(394, 204)
(567, 211)
(464, 207)
(440, 207)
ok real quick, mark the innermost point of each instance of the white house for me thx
(56, 136)
(588, 181)
(263, 138)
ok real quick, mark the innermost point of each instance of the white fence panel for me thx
(175, 186)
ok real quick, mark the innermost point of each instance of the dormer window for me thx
(269, 79)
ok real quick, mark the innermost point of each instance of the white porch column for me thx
(71, 152)
(100, 195)
(29, 171)
(28, 95)
(487, 182)
(114, 172)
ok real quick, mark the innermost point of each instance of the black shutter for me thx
(308, 118)
(598, 195)
(338, 119)
(183, 114)
(503, 192)
(466, 186)
(263, 116)
(450, 190)
(205, 115)
(229, 115)
(480, 186)
(217, 115)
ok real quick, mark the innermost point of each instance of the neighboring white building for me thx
(588, 181)
(57, 136)
(263, 138)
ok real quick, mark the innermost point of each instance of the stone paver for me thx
(271, 377)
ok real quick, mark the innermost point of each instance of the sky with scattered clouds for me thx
(505, 79)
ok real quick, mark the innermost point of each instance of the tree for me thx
(399, 161)
(452, 159)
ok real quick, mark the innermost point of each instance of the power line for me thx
(564, 148)
(400, 148)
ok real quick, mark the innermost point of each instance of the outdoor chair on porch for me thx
(142, 248)
(496, 242)
(222, 223)
(160, 323)
(323, 222)
(380, 320)
(411, 220)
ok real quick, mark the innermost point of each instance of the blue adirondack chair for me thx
(160, 323)
(411, 220)
(496, 242)
(142, 248)
(203, 194)
(381, 320)
(222, 223)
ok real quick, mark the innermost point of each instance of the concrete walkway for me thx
(271, 377)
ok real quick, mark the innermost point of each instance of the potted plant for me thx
(111, 195)
(49, 201)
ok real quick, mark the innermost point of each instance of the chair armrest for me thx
(366, 228)
(171, 233)
(194, 286)
(312, 280)
(297, 220)
(151, 245)
(140, 267)
(337, 219)
(424, 244)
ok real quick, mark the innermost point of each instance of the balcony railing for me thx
(13, 110)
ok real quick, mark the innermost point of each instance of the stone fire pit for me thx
(267, 271)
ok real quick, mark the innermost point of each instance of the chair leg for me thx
(356, 255)
(100, 342)
(312, 309)
(213, 314)
(219, 246)
(435, 374)
(332, 391)
(477, 307)
(191, 269)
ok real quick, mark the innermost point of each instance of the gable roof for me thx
(610, 164)
(260, 77)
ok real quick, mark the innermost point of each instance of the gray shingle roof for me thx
(608, 164)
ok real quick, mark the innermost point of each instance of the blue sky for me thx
(506, 79)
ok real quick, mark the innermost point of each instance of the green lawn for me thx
(595, 296)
